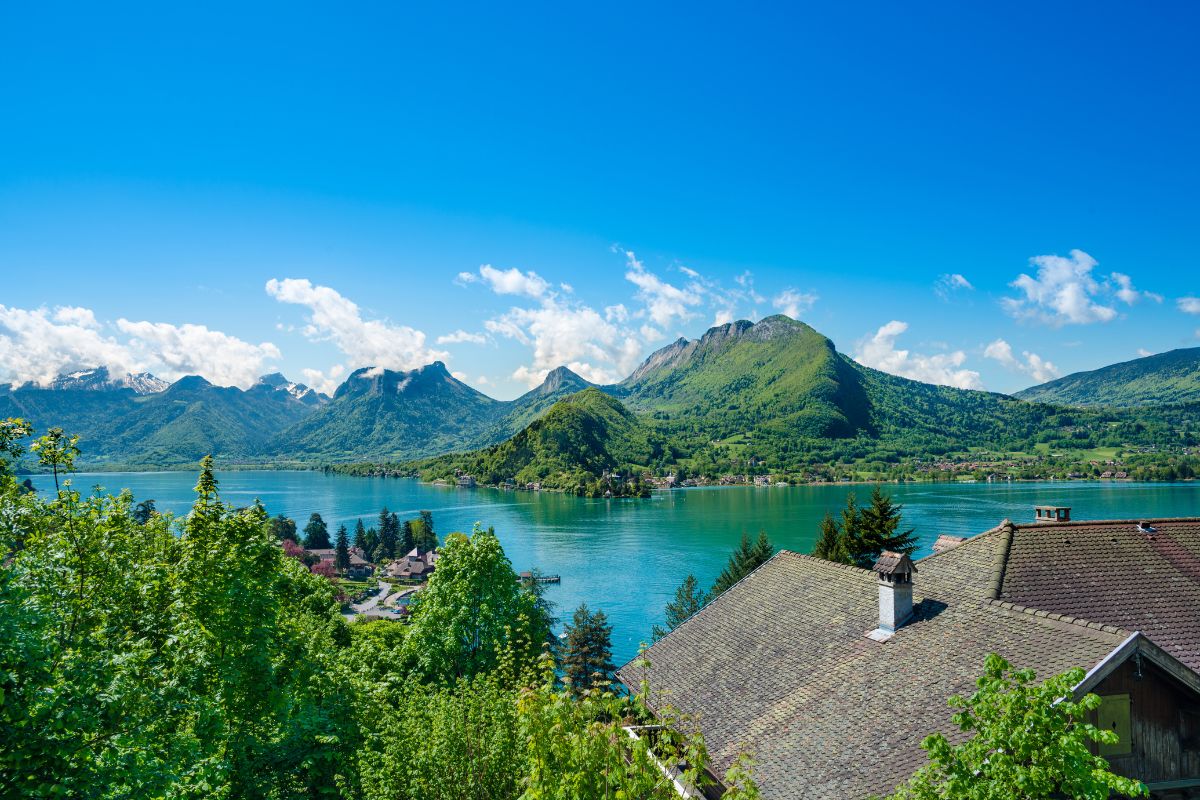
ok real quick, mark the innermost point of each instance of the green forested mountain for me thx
(179, 425)
(779, 375)
(776, 393)
(381, 414)
(1162, 379)
(569, 447)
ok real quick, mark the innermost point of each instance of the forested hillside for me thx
(1157, 380)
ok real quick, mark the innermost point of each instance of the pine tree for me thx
(689, 598)
(427, 520)
(745, 559)
(406, 536)
(587, 657)
(852, 529)
(387, 535)
(831, 545)
(372, 543)
(341, 559)
(880, 530)
(316, 533)
(360, 535)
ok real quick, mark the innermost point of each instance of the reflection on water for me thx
(627, 556)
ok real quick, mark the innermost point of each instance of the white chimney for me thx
(894, 572)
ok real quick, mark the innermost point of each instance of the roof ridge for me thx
(810, 557)
(1076, 523)
(1064, 618)
(966, 540)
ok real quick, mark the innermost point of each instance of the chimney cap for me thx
(891, 563)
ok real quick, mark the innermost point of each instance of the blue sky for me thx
(481, 175)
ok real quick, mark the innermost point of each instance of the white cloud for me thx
(460, 336)
(1143, 352)
(37, 345)
(691, 273)
(1066, 292)
(570, 334)
(664, 302)
(511, 281)
(327, 381)
(1032, 364)
(950, 282)
(365, 342)
(879, 351)
(794, 303)
(724, 316)
(1129, 295)
(617, 313)
(1189, 305)
(196, 350)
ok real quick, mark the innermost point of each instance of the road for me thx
(371, 604)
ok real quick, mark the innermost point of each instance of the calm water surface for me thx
(627, 556)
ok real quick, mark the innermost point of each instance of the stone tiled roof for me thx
(780, 666)
(1113, 572)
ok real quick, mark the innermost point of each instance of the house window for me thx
(1113, 715)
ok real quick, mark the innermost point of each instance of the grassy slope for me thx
(1162, 379)
(779, 377)
(574, 442)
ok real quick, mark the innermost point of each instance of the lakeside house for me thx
(360, 568)
(831, 675)
(415, 565)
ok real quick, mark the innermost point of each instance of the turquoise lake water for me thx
(627, 556)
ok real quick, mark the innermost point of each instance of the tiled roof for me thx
(1113, 572)
(779, 666)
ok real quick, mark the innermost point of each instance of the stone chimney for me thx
(894, 572)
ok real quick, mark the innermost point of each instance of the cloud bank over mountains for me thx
(551, 326)
(37, 345)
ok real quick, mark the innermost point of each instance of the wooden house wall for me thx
(1164, 722)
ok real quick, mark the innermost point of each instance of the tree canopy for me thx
(1029, 741)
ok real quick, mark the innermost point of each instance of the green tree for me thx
(143, 512)
(316, 533)
(12, 431)
(748, 557)
(831, 544)
(407, 542)
(472, 612)
(423, 537)
(689, 598)
(58, 451)
(360, 536)
(283, 528)
(372, 541)
(587, 654)
(852, 529)
(1029, 741)
(341, 558)
(880, 526)
(388, 534)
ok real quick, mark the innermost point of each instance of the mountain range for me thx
(776, 390)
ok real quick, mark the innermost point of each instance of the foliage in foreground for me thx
(193, 659)
(1030, 742)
